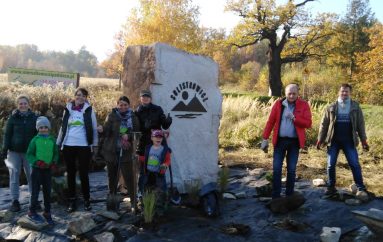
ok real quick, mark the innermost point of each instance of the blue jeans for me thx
(40, 177)
(288, 147)
(351, 154)
(151, 180)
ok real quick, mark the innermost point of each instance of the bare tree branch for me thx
(244, 45)
(303, 3)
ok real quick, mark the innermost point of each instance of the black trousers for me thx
(82, 154)
(41, 177)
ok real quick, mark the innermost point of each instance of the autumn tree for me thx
(369, 75)
(351, 38)
(174, 22)
(263, 20)
(213, 44)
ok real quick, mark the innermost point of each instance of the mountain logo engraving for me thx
(191, 100)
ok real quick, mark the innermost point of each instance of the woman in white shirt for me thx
(77, 136)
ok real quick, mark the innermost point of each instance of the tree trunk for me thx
(275, 82)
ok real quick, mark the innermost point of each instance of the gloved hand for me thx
(290, 115)
(365, 146)
(163, 168)
(41, 164)
(265, 145)
(169, 119)
(318, 145)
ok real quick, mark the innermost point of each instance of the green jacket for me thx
(326, 128)
(19, 131)
(44, 149)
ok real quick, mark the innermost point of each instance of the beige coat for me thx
(326, 128)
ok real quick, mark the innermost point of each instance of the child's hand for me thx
(41, 164)
(163, 168)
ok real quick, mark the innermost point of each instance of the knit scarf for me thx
(126, 120)
(78, 107)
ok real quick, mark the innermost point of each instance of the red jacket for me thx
(302, 120)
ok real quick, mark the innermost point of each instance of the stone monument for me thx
(186, 86)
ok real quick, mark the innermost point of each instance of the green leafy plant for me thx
(223, 178)
(269, 176)
(149, 202)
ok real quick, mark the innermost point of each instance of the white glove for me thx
(265, 145)
(290, 116)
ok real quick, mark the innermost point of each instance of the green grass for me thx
(149, 202)
(223, 178)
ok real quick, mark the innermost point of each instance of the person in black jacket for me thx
(150, 117)
(19, 131)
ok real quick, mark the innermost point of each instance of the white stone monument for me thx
(186, 86)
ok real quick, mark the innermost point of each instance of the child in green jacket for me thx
(42, 154)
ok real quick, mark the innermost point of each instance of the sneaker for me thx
(330, 191)
(362, 195)
(48, 218)
(87, 206)
(72, 206)
(34, 217)
(15, 207)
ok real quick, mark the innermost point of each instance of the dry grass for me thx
(3, 77)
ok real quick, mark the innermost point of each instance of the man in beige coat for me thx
(341, 128)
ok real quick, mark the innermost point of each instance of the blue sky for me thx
(68, 25)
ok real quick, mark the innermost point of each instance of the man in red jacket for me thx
(289, 118)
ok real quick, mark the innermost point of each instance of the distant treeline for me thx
(29, 56)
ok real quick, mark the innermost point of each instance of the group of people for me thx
(341, 127)
(28, 144)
